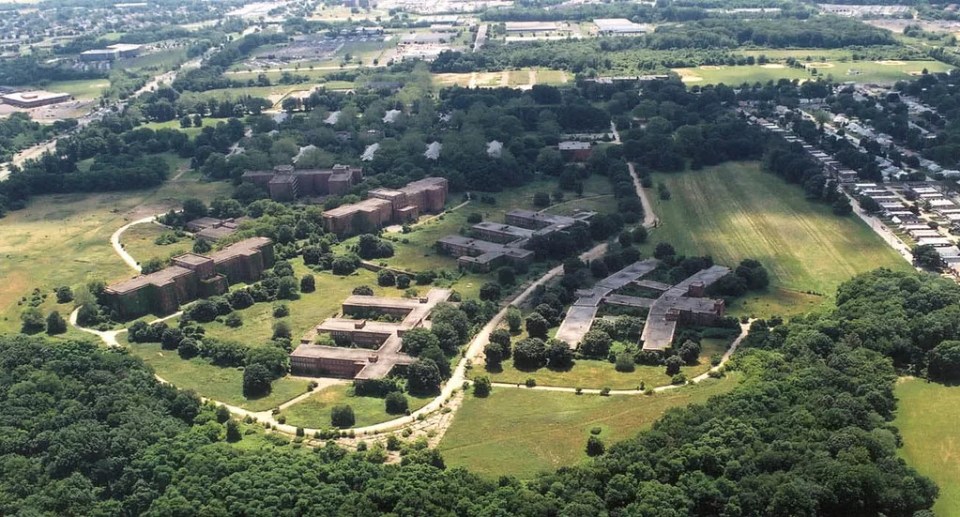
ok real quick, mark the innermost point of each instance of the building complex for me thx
(367, 349)
(492, 245)
(388, 206)
(683, 303)
(191, 276)
(284, 183)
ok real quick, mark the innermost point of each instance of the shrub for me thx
(281, 310)
(403, 281)
(396, 403)
(678, 379)
(625, 362)
(595, 430)
(386, 278)
(530, 382)
(595, 446)
(605, 392)
(474, 218)
(55, 324)
(256, 380)
(490, 291)
(342, 416)
(64, 294)
(308, 284)
(482, 386)
(233, 320)
(530, 353)
(363, 290)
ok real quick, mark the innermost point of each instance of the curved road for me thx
(115, 241)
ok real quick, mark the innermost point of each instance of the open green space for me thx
(305, 312)
(215, 382)
(598, 374)
(139, 242)
(314, 412)
(191, 131)
(735, 211)
(64, 239)
(927, 416)
(521, 432)
(860, 71)
(83, 90)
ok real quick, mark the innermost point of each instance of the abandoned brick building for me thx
(491, 245)
(191, 276)
(388, 206)
(284, 183)
(370, 349)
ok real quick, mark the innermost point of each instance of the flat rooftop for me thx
(505, 229)
(366, 204)
(158, 278)
(243, 247)
(34, 96)
(484, 247)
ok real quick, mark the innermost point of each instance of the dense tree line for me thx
(29, 70)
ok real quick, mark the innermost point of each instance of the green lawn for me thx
(85, 89)
(191, 131)
(734, 211)
(521, 432)
(222, 384)
(306, 312)
(860, 71)
(314, 412)
(590, 373)
(139, 242)
(927, 416)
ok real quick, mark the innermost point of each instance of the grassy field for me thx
(521, 432)
(307, 311)
(65, 239)
(314, 412)
(191, 131)
(139, 242)
(860, 71)
(222, 384)
(84, 90)
(735, 211)
(589, 373)
(927, 415)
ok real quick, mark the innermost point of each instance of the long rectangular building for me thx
(388, 206)
(284, 183)
(190, 277)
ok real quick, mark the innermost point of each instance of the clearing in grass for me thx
(521, 432)
(735, 211)
(927, 415)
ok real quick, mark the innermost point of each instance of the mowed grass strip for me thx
(735, 211)
(522, 432)
(314, 412)
(927, 416)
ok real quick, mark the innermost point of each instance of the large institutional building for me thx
(370, 349)
(34, 99)
(491, 245)
(388, 206)
(191, 276)
(682, 304)
(284, 183)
